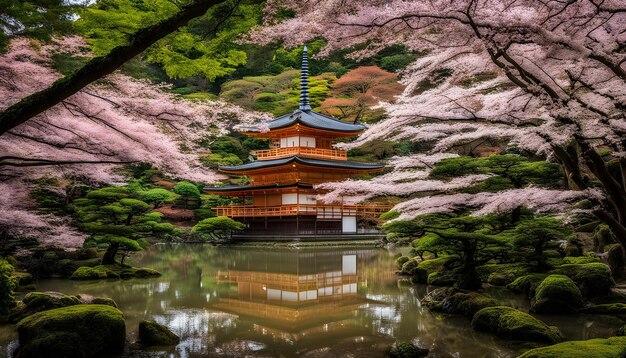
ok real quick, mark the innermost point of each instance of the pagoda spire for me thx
(304, 82)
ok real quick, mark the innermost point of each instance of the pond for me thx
(313, 302)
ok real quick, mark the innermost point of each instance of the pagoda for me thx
(280, 200)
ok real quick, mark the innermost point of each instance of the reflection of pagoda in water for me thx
(288, 294)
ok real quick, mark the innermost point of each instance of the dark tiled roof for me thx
(228, 188)
(260, 164)
(311, 119)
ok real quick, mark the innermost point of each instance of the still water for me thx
(281, 302)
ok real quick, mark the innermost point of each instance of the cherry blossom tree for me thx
(116, 121)
(545, 77)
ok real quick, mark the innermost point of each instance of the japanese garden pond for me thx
(310, 302)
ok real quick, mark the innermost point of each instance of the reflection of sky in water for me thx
(315, 302)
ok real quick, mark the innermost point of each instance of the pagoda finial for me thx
(304, 82)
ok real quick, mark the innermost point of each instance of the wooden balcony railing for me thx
(321, 153)
(321, 211)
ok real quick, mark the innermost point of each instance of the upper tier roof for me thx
(308, 118)
(231, 188)
(304, 114)
(340, 164)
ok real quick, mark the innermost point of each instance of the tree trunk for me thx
(109, 255)
(99, 67)
(468, 277)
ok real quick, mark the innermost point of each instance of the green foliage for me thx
(37, 19)
(509, 323)
(509, 170)
(187, 189)
(556, 293)
(397, 62)
(118, 219)
(73, 331)
(277, 94)
(206, 47)
(613, 347)
(157, 196)
(470, 241)
(219, 227)
(534, 236)
(8, 284)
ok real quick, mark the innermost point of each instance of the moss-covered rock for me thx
(612, 309)
(427, 267)
(113, 271)
(527, 284)
(89, 299)
(557, 294)
(441, 279)
(35, 302)
(23, 278)
(456, 301)
(593, 279)
(407, 350)
(74, 331)
(91, 273)
(509, 323)
(400, 261)
(154, 334)
(502, 274)
(409, 268)
(614, 347)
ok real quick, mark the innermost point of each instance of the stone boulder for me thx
(35, 302)
(456, 301)
(407, 350)
(613, 347)
(557, 294)
(509, 323)
(154, 334)
(78, 331)
(593, 279)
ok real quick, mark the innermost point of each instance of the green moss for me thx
(557, 294)
(35, 302)
(509, 323)
(612, 309)
(401, 261)
(455, 301)
(90, 273)
(593, 279)
(580, 260)
(23, 278)
(113, 271)
(527, 284)
(502, 274)
(614, 347)
(74, 331)
(409, 267)
(427, 267)
(407, 350)
(441, 279)
(154, 334)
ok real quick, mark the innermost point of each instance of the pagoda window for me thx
(297, 142)
(290, 198)
(307, 199)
